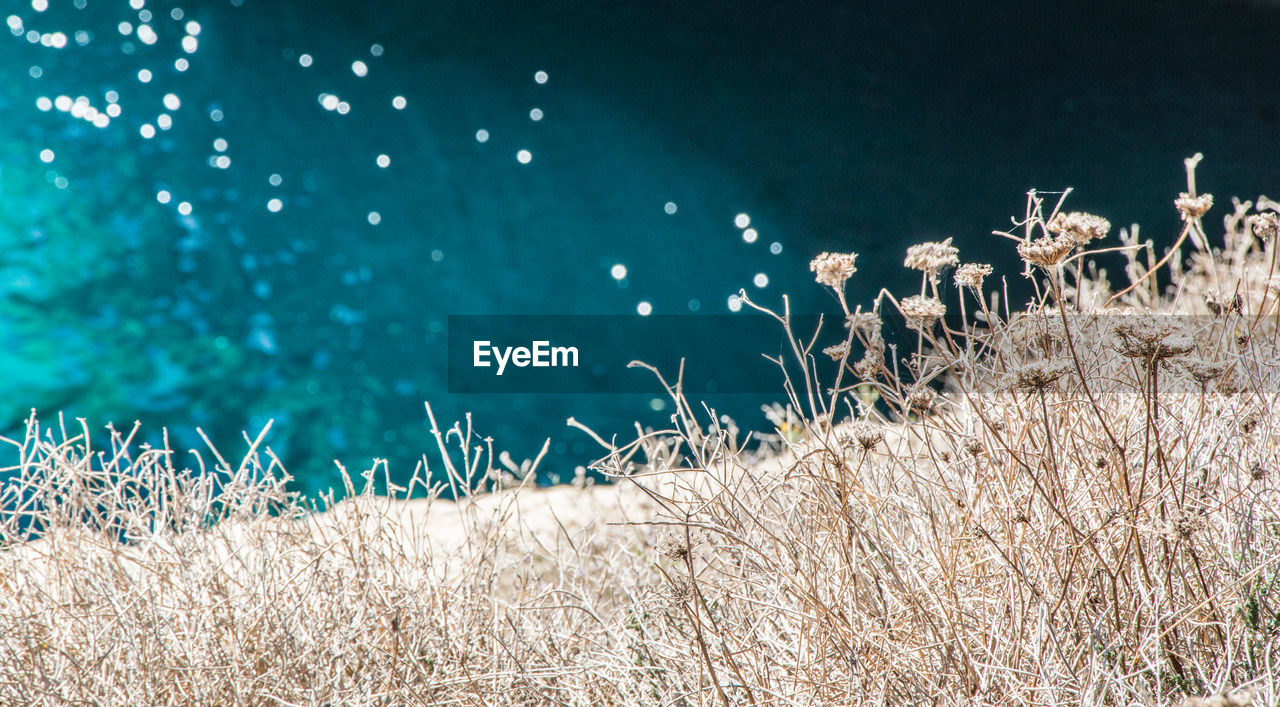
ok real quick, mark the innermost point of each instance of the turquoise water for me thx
(289, 198)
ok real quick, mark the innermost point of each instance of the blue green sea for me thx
(216, 213)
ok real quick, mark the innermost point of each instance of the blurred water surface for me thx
(217, 213)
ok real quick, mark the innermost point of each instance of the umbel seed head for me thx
(833, 269)
(922, 312)
(1079, 226)
(1265, 226)
(1037, 375)
(971, 275)
(1046, 251)
(1193, 207)
(932, 256)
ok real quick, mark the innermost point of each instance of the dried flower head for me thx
(681, 591)
(872, 359)
(1148, 328)
(1037, 375)
(837, 352)
(673, 545)
(922, 312)
(1258, 471)
(932, 256)
(1183, 525)
(1046, 251)
(922, 398)
(833, 269)
(867, 435)
(1250, 422)
(869, 365)
(1265, 226)
(1203, 370)
(867, 322)
(973, 446)
(1079, 226)
(1193, 207)
(1152, 338)
(971, 275)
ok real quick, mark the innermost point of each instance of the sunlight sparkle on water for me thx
(482, 135)
(618, 272)
(644, 309)
(305, 60)
(760, 280)
(384, 161)
(524, 157)
(670, 208)
(275, 205)
(398, 102)
(540, 77)
(735, 303)
(359, 68)
(750, 235)
(742, 220)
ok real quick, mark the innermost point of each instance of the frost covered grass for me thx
(1075, 501)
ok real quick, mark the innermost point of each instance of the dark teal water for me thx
(260, 259)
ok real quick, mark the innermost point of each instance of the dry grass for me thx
(1072, 503)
